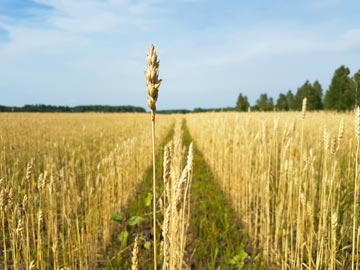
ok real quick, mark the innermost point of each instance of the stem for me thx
(355, 208)
(154, 184)
(4, 239)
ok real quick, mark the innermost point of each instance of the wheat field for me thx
(61, 178)
(291, 179)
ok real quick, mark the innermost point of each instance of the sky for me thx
(78, 52)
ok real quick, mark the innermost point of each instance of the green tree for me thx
(313, 94)
(264, 103)
(315, 101)
(342, 93)
(242, 103)
(282, 103)
(290, 100)
(301, 93)
(356, 80)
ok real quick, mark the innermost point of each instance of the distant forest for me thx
(101, 108)
(343, 94)
(76, 109)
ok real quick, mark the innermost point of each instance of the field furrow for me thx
(215, 240)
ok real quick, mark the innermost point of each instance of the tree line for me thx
(343, 94)
(84, 108)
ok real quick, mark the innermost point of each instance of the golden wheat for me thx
(296, 196)
(176, 201)
(62, 176)
(152, 87)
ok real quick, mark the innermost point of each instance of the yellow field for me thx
(61, 177)
(291, 181)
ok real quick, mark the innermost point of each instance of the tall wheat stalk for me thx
(176, 201)
(152, 87)
(357, 134)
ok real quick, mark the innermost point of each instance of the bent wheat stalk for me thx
(176, 202)
(152, 88)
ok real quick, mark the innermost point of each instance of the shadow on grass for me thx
(215, 241)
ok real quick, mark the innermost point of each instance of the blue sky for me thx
(71, 52)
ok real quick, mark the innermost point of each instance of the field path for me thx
(215, 240)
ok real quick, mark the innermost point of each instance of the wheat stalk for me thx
(357, 134)
(340, 133)
(303, 110)
(135, 254)
(333, 240)
(152, 88)
(177, 184)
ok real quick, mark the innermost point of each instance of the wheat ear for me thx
(152, 88)
(135, 254)
(303, 109)
(152, 80)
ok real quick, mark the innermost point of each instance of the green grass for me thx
(215, 231)
(119, 257)
(215, 241)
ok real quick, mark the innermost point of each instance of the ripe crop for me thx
(293, 180)
(62, 177)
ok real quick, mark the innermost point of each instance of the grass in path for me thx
(216, 240)
(137, 220)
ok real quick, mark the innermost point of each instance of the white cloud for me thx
(87, 16)
(323, 4)
(95, 16)
(242, 45)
